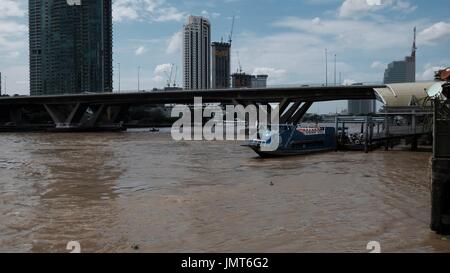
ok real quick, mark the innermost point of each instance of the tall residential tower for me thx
(197, 53)
(70, 46)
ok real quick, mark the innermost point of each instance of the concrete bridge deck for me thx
(107, 110)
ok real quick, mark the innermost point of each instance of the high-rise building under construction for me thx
(221, 65)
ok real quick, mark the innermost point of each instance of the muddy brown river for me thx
(113, 192)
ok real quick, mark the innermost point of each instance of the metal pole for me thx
(326, 67)
(335, 63)
(337, 132)
(119, 77)
(139, 78)
(366, 136)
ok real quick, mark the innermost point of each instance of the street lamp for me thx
(119, 77)
(139, 78)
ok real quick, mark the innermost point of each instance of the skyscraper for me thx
(197, 53)
(402, 71)
(70, 46)
(221, 65)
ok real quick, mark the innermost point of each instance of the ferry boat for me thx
(294, 140)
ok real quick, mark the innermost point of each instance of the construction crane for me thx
(239, 63)
(230, 38)
(169, 76)
(175, 78)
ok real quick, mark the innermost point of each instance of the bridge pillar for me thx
(291, 111)
(15, 115)
(298, 116)
(415, 144)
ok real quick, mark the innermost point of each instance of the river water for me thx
(143, 192)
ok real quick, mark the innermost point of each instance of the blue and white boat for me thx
(294, 140)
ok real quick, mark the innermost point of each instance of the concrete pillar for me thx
(440, 214)
(415, 144)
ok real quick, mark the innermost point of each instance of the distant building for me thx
(243, 80)
(361, 107)
(221, 65)
(197, 54)
(402, 71)
(70, 46)
(259, 81)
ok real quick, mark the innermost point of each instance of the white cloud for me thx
(275, 75)
(153, 10)
(12, 36)
(162, 69)
(158, 79)
(359, 8)
(174, 43)
(316, 21)
(348, 34)
(121, 13)
(434, 34)
(378, 65)
(349, 82)
(11, 8)
(140, 50)
(429, 72)
(208, 14)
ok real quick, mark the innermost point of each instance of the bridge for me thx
(107, 111)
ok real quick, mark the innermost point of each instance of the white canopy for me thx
(403, 94)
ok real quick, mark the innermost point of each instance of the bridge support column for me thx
(298, 116)
(440, 215)
(415, 144)
(291, 111)
(66, 114)
(15, 115)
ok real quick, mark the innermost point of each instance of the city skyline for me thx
(291, 39)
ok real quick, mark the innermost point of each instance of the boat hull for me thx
(295, 141)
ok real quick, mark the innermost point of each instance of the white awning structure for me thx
(404, 94)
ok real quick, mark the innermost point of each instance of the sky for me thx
(283, 38)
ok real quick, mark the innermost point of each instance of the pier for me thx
(384, 130)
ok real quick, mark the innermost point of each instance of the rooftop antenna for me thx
(414, 48)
